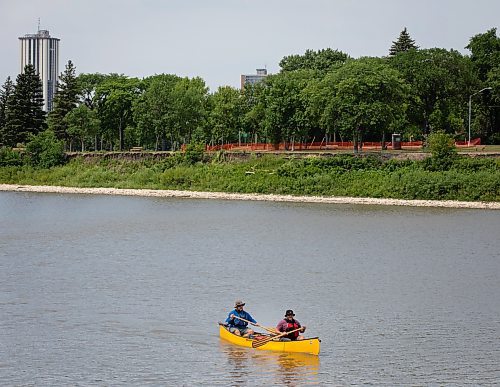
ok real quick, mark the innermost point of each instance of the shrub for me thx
(10, 158)
(333, 165)
(475, 164)
(443, 151)
(44, 150)
(194, 153)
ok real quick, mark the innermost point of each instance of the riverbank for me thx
(255, 197)
(466, 180)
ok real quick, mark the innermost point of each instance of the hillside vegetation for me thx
(464, 178)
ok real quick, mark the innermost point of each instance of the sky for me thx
(218, 40)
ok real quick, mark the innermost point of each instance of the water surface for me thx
(101, 290)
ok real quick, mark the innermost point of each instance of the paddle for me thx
(259, 343)
(271, 330)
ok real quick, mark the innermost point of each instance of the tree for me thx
(404, 43)
(24, 115)
(225, 115)
(44, 150)
(87, 84)
(65, 100)
(485, 52)
(286, 106)
(364, 95)
(321, 60)
(252, 108)
(153, 111)
(82, 123)
(5, 93)
(115, 96)
(441, 82)
(485, 57)
(189, 106)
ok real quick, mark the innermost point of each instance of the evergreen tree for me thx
(65, 100)
(5, 93)
(404, 43)
(24, 113)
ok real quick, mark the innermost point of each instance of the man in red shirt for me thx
(289, 324)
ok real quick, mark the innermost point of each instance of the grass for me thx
(470, 179)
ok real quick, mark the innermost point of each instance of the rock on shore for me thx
(257, 197)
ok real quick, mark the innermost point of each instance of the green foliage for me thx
(194, 153)
(24, 115)
(485, 58)
(321, 60)
(443, 151)
(82, 123)
(439, 83)
(9, 157)
(467, 179)
(317, 96)
(153, 111)
(115, 96)
(363, 97)
(225, 115)
(285, 101)
(189, 104)
(485, 49)
(476, 164)
(44, 150)
(170, 110)
(404, 43)
(65, 100)
(319, 165)
(253, 110)
(88, 84)
(5, 94)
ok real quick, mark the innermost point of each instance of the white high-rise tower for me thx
(42, 51)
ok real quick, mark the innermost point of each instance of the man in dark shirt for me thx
(289, 324)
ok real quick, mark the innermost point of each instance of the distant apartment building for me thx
(252, 79)
(42, 51)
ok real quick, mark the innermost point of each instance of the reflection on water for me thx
(283, 368)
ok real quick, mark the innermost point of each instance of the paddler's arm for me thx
(280, 328)
(230, 317)
(250, 318)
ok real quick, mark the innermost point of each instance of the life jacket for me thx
(291, 326)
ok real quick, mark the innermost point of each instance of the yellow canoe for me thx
(310, 345)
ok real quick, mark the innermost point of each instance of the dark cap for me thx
(239, 303)
(289, 312)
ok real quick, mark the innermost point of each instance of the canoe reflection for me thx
(286, 368)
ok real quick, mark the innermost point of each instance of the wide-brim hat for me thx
(289, 312)
(239, 303)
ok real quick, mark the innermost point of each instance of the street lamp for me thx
(470, 107)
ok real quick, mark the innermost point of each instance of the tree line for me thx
(319, 95)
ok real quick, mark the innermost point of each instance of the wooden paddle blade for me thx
(260, 343)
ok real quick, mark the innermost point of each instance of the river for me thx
(105, 290)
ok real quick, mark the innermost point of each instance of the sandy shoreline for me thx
(256, 197)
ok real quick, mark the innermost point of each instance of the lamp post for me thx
(470, 107)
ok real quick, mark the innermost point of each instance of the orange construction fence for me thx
(325, 146)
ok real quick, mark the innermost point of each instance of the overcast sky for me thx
(220, 39)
